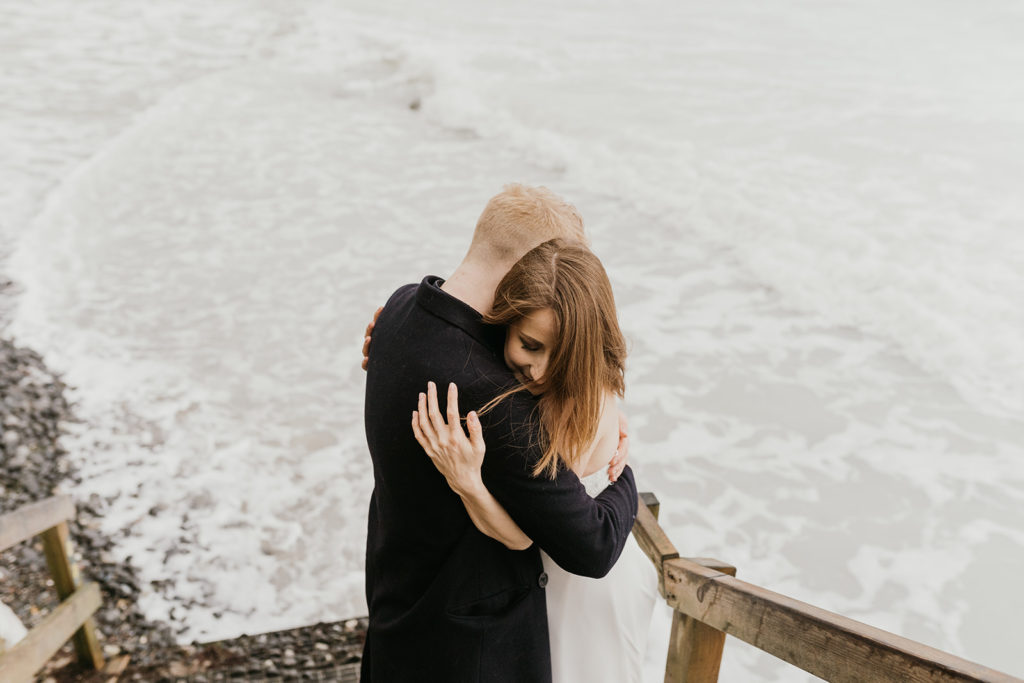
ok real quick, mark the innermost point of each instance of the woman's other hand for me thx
(621, 457)
(455, 455)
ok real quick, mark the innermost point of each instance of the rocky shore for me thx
(34, 413)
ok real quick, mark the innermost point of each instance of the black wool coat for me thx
(446, 602)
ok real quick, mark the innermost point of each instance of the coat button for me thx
(542, 580)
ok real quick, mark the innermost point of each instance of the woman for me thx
(564, 345)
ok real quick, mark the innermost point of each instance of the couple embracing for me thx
(504, 554)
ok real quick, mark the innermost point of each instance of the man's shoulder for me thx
(480, 373)
(403, 295)
(439, 339)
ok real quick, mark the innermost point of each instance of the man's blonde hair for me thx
(519, 218)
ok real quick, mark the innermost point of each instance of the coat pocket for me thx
(493, 606)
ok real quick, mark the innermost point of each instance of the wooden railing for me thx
(73, 617)
(710, 602)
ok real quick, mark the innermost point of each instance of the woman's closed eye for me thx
(529, 345)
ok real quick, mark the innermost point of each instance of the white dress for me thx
(598, 627)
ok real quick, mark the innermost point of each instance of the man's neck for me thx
(474, 283)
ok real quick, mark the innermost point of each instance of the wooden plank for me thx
(711, 563)
(57, 546)
(695, 649)
(653, 542)
(116, 666)
(33, 519)
(823, 643)
(21, 662)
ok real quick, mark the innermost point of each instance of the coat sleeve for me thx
(583, 535)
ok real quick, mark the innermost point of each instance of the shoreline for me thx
(34, 414)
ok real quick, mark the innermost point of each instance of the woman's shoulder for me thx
(609, 412)
(606, 438)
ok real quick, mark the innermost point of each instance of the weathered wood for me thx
(711, 563)
(34, 519)
(823, 643)
(57, 546)
(694, 651)
(651, 501)
(694, 648)
(653, 541)
(22, 661)
(116, 666)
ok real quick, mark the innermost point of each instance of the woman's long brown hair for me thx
(589, 351)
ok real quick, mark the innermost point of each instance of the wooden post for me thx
(695, 649)
(653, 542)
(57, 546)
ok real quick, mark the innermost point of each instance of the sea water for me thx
(811, 216)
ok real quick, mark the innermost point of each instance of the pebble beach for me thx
(34, 414)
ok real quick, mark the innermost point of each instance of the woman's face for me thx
(528, 347)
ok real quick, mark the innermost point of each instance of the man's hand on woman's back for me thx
(368, 335)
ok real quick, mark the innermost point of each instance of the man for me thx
(446, 602)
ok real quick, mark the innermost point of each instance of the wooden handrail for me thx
(33, 519)
(710, 602)
(653, 541)
(73, 617)
(22, 661)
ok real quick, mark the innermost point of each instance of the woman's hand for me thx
(455, 455)
(459, 459)
(621, 457)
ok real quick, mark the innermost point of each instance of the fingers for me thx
(620, 453)
(623, 449)
(616, 467)
(620, 459)
(426, 426)
(621, 456)
(476, 433)
(433, 411)
(453, 405)
(442, 434)
(368, 335)
(369, 328)
(421, 438)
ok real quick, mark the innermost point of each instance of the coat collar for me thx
(430, 296)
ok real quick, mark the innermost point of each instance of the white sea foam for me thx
(11, 628)
(809, 218)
